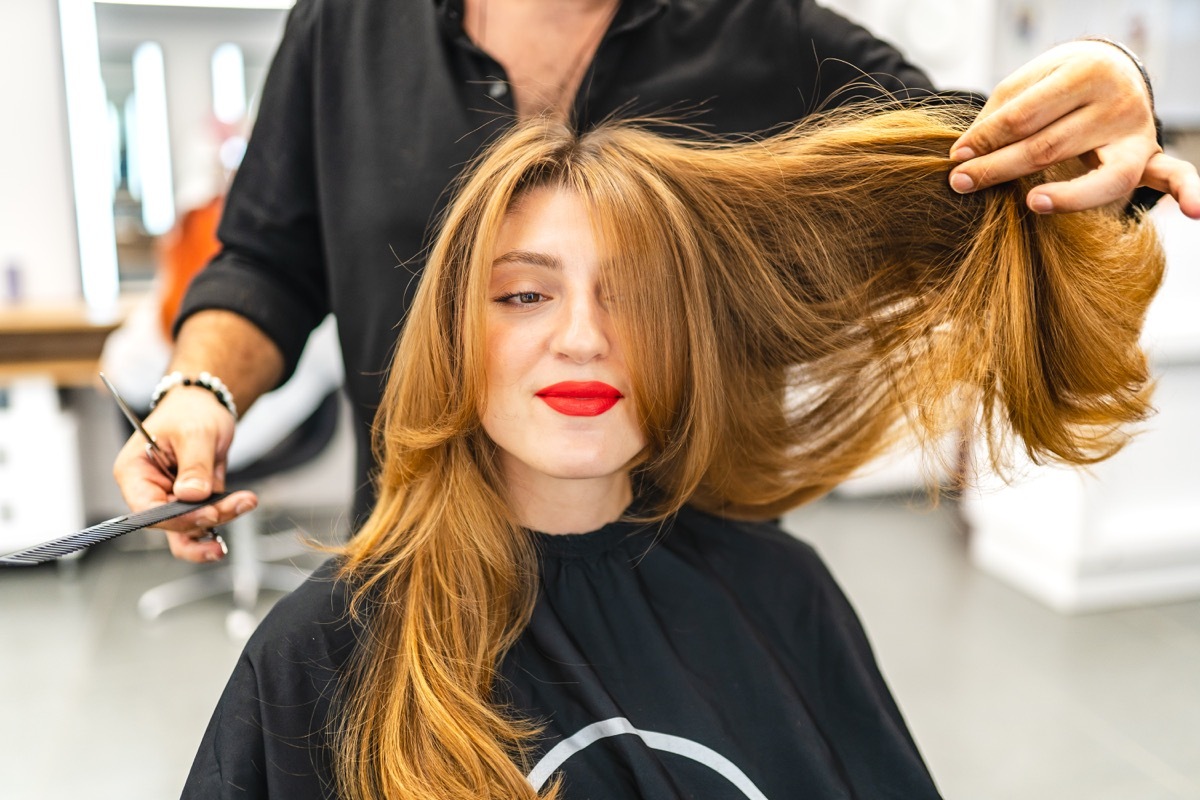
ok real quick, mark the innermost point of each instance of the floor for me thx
(1006, 698)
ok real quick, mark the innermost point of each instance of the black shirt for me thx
(372, 107)
(705, 659)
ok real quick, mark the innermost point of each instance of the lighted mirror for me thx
(178, 87)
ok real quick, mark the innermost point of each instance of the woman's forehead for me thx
(546, 226)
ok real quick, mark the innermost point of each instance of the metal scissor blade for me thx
(152, 449)
(126, 410)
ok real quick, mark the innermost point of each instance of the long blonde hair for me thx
(788, 308)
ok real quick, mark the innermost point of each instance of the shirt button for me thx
(497, 89)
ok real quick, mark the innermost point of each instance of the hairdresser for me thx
(372, 107)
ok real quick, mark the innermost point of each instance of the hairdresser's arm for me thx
(247, 315)
(195, 429)
(1086, 99)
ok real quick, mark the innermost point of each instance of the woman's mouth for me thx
(580, 398)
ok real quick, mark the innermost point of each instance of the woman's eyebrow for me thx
(528, 257)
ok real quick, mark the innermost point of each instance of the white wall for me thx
(37, 213)
(1164, 33)
(972, 44)
(950, 39)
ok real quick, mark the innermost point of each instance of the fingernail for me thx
(195, 484)
(1041, 204)
(212, 556)
(961, 182)
(962, 154)
(243, 507)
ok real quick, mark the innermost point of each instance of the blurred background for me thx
(1043, 639)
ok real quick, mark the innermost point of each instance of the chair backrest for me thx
(300, 446)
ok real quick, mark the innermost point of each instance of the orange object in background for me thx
(183, 252)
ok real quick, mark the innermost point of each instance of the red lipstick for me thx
(580, 398)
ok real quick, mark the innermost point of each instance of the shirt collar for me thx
(632, 14)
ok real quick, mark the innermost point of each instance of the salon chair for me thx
(248, 569)
(287, 446)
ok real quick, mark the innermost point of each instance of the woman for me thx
(621, 345)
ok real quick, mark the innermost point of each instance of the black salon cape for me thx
(705, 659)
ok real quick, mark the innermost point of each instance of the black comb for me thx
(102, 532)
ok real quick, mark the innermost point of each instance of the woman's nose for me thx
(582, 333)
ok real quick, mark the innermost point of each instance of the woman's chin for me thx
(608, 469)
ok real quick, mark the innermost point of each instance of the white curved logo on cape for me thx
(616, 726)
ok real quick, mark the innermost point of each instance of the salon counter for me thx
(60, 340)
(49, 357)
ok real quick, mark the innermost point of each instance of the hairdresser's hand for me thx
(1083, 99)
(195, 431)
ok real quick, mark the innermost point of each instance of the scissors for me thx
(155, 453)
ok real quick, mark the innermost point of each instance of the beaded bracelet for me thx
(205, 380)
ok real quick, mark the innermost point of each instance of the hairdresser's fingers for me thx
(1018, 110)
(1081, 99)
(219, 472)
(1177, 178)
(194, 431)
(1071, 76)
(190, 547)
(189, 535)
(1057, 142)
(199, 442)
(142, 483)
(1117, 165)
(200, 521)
(1120, 170)
(203, 519)
(1110, 182)
(194, 542)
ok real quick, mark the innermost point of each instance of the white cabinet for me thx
(1126, 531)
(40, 491)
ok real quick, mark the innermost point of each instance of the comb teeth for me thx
(109, 529)
(69, 544)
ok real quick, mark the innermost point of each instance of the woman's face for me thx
(559, 402)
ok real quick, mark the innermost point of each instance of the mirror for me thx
(180, 88)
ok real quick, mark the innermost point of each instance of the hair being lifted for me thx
(789, 308)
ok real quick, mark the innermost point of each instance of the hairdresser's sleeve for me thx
(853, 64)
(271, 268)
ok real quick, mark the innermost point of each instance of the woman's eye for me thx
(521, 298)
